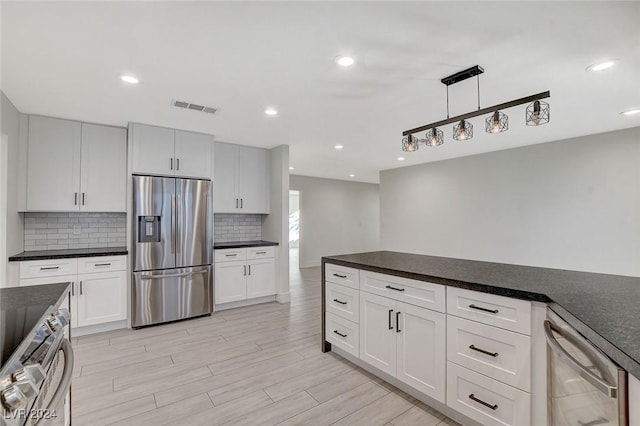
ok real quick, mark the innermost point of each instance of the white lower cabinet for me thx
(236, 280)
(343, 333)
(404, 341)
(488, 401)
(96, 297)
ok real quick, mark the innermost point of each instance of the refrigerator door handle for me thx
(182, 274)
(173, 224)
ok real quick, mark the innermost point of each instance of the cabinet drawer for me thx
(419, 293)
(499, 311)
(88, 265)
(485, 400)
(342, 333)
(229, 255)
(342, 301)
(497, 353)
(260, 252)
(341, 275)
(48, 268)
(51, 280)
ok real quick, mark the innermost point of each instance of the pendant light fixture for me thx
(463, 131)
(498, 122)
(537, 113)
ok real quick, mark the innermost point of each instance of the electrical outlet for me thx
(76, 229)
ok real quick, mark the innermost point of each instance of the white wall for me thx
(275, 226)
(336, 217)
(571, 204)
(15, 223)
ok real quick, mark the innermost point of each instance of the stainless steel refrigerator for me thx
(172, 249)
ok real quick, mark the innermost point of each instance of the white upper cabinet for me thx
(103, 169)
(53, 171)
(74, 166)
(241, 179)
(169, 152)
(193, 154)
(152, 149)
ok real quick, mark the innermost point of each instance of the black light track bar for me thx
(505, 105)
(462, 75)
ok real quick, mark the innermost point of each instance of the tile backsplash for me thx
(237, 227)
(52, 231)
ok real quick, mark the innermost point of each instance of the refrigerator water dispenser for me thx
(149, 229)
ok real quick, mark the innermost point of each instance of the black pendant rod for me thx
(505, 105)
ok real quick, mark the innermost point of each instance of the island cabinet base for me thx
(477, 357)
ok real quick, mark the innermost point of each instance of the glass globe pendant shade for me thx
(463, 131)
(410, 143)
(498, 122)
(435, 137)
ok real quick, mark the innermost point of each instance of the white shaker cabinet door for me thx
(53, 158)
(193, 154)
(421, 350)
(261, 278)
(230, 282)
(103, 169)
(253, 180)
(101, 297)
(152, 150)
(225, 176)
(378, 332)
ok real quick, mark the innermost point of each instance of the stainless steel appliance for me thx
(172, 249)
(584, 386)
(37, 361)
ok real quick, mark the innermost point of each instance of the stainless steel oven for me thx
(585, 388)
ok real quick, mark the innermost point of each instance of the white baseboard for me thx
(283, 297)
(241, 303)
(98, 328)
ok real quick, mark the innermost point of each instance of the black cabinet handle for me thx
(236, 203)
(398, 322)
(245, 270)
(73, 288)
(83, 198)
(241, 203)
(493, 354)
(339, 276)
(339, 301)
(49, 268)
(103, 264)
(390, 325)
(231, 255)
(261, 252)
(81, 288)
(394, 288)
(480, 308)
(177, 164)
(172, 164)
(75, 198)
(486, 404)
(249, 269)
(339, 334)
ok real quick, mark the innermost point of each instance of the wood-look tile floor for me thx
(257, 365)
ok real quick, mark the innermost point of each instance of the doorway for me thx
(294, 229)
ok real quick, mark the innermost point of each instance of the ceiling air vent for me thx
(194, 107)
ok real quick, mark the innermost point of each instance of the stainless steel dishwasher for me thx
(585, 388)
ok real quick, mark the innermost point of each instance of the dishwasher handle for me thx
(597, 382)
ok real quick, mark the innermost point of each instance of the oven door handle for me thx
(597, 382)
(65, 380)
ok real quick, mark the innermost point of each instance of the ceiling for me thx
(65, 60)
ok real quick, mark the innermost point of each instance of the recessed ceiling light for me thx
(129, 79)
(352, 175)
(338, 147)
(631, 112)
(400, 158)
(345, 61)
(271, 111)
(601, 66)
(291, 168)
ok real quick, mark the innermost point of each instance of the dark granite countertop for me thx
(67, 254)
(242, 244)
(604, 308)
(33, 295)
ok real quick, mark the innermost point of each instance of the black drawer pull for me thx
(480, 308)
(398, 322)
(339, 276)
(486, 404)
(393, 288)
(231, 255)
(49, 268)
(390, 325)
(339, 334)
(339, 301)
(261, 252)
(493, 354)
(103, 264)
